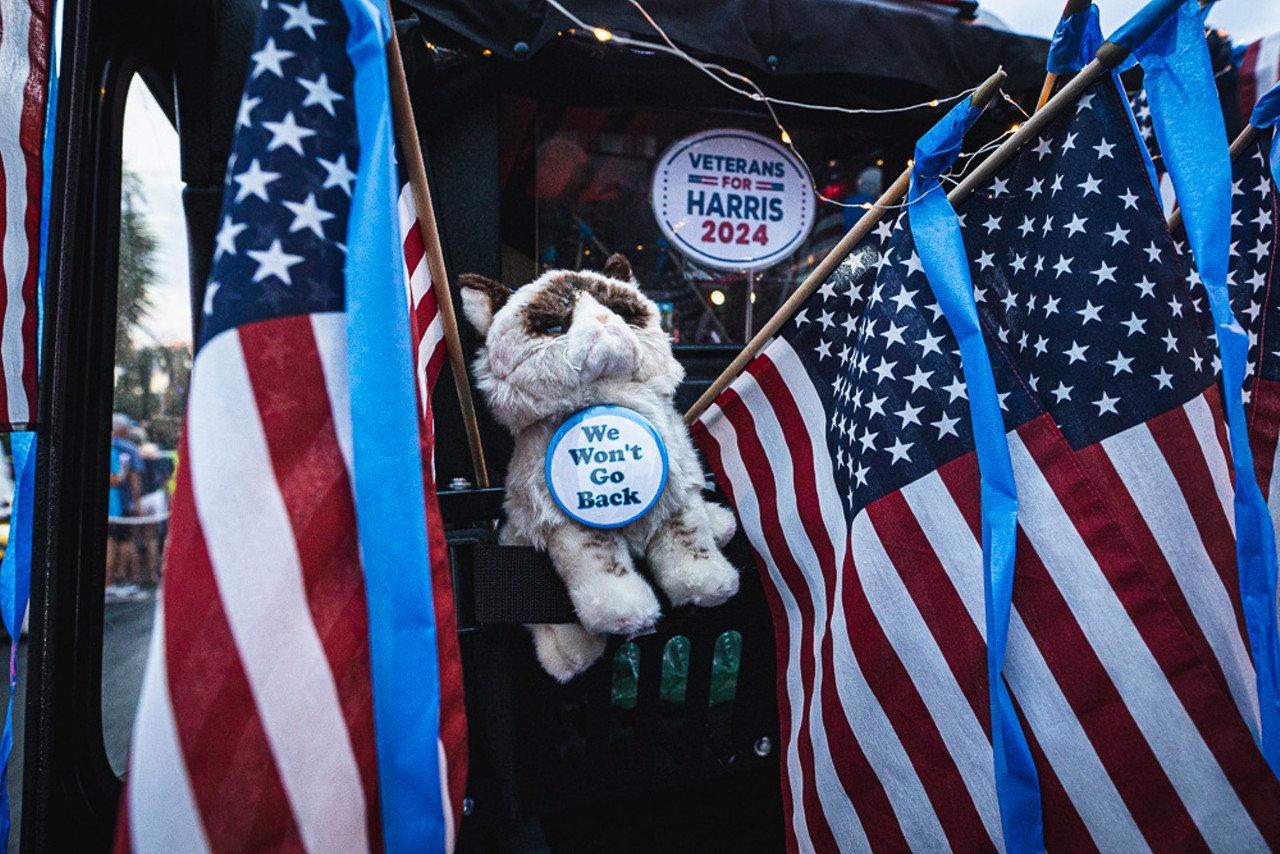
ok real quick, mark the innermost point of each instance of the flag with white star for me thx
(1253, 284)
(1255, 226)
(270, 662)
(1142, 119)
(847, 449)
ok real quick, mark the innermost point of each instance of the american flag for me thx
(1259, 68)
(25, 38)
(1255, 220)
(847, 451)
(429, 355)
(255, 727)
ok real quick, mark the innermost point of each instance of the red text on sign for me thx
(739, 233)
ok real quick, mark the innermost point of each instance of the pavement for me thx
(126, 633)
(125, 637)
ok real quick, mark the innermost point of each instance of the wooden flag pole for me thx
(1243, 141)
(1051, 79)
(411, 154)
(825, 268)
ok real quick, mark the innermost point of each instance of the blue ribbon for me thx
(1075, 40)
(1266, 113)
(1139, 29)
(941, 248)
(1187, 118)
(15, 589)
(390, 502)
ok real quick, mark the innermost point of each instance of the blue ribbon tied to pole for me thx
(942, 252)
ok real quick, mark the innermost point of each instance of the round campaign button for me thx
(732, 199)
(606, 466)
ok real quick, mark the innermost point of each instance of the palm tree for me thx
(137, 272)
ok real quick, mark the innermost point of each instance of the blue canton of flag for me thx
(280, 249)
(856, 335)
(1142, 118)
(1253, 236)
(1082, 289)
(1255, 228)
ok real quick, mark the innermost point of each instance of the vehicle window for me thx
(152, 370)
(576, 185)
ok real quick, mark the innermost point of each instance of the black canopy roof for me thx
(930, 46)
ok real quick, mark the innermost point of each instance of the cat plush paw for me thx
(615, 604)
(703, 581)
(723, 523)
(686, 562)
(565, 650)
(718, 583)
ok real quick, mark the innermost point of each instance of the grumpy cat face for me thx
(566, 340)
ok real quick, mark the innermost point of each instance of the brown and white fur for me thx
(566, 341)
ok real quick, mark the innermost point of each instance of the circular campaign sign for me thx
(606, 466)
(732, 199)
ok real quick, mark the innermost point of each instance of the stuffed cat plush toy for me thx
(564, 342)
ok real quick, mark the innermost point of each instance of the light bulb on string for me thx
(723, 77)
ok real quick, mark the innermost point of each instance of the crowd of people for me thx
(137, 511)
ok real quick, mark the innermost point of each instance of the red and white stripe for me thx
(1259, 71)
(429, 330)
(1126, 654)
(263, 621)
(1264, 435)
(25, 28)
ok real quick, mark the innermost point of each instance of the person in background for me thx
(122, 568)
(114, 530)
(154, 504)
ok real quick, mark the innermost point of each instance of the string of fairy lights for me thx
(724, 76)
(745, 87)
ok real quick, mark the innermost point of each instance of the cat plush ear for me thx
(618, 267)
(481, 299)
